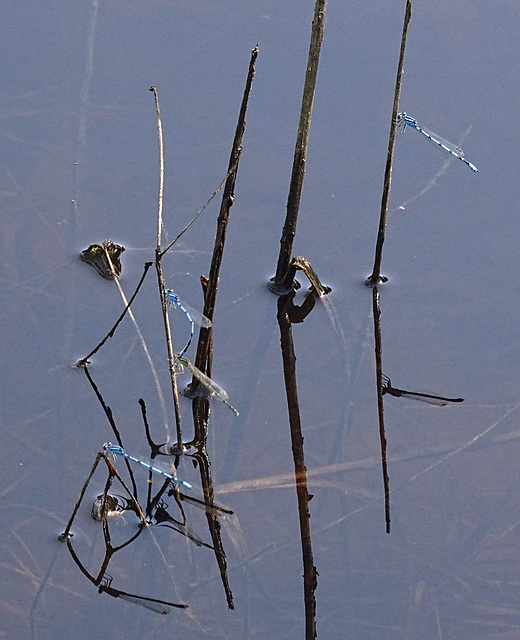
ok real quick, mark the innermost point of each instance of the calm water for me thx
(79, 164)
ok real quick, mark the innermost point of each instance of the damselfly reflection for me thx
(438, 401)
(210, 508)
(162, 517)
(159, 606)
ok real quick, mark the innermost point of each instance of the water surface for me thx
(79, 164)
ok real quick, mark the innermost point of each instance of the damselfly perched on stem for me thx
(116, 450)
(404, 120)
(194, 317)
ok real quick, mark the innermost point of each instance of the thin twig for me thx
(84, 361)
(112, 422)
(153, 89)
(171, 360)
(223, 182)
(160, 277)
(141, 338)
(63, 536)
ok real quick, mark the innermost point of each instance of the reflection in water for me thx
(103, 581)
(159, 606)
(162, 517)
(103, 506)
(286, 311)
(384, 387)
(438, 401)
(155, 510)
(432, 181)
(109, 504)
(376, 311)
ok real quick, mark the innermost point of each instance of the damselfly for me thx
(213, 388)
(404, 120)
(194, 317)
(116, 450)
(438, 401)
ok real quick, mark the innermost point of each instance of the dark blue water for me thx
(80, 164)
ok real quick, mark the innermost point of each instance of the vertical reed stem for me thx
(276, 284)
(376, 276)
